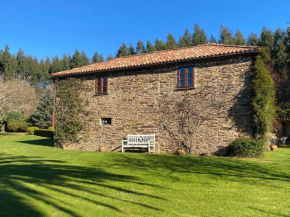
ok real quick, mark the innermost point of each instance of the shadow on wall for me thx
(50, 181)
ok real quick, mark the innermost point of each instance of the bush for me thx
(51, 128)
(30, 130)
(247, 147)
(17, 127)
(44, 133)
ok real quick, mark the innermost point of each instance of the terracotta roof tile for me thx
(161, 57)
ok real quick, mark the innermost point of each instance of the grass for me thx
(38, 180)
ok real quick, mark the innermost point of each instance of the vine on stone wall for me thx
(263, 100)
(69, 110)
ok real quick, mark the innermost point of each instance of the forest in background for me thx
(37, 72)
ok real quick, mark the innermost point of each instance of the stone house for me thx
(150, 93)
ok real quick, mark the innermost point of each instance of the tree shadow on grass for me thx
(25, 181)
(43, 142)
(251, 172)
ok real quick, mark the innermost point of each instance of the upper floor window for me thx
(101, 85)
(185, 77)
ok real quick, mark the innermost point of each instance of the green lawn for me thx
(38, 180)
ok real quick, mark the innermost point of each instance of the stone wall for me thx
(135, 99)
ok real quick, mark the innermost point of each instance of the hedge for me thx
(44, 133)
(247, 147)
(30, 130)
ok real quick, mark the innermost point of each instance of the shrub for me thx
(17, 127)
(247, 147)
(51, 128)
(44, 133)
(31, 130)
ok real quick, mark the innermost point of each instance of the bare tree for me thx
(16, 95)
(183, 116)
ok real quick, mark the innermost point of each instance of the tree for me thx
(171, 43)
(185, 40)
(239, 38)
(5, 58)
(56, 65)
(77, 60)
(131, 50)
(199, 36)
(267, 39)
(212, 40)
(140, 47)
(122, 51)
(253, 39)
(110, 57)
(66, 60)
(42, 117)
(226, 36)
(85, 59)
(22, 64)
(11, 71)
(160, 45)
(150, 47)
(16, 95)
(97, 58)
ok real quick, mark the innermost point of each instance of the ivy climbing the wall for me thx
(263, 99)
(69, 110)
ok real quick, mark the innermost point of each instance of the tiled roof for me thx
(161, 57)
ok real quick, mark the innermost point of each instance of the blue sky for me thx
(54, 27)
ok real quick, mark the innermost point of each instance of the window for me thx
(106, 121)
(101, 85)
(185, 77)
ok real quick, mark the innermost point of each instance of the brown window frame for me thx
(185, 78)
(101, 85)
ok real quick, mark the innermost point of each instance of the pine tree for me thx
(77, 60)
(160, 45)
(22, 64)
(267, 39)
(171, 43)
(43, 73)
(226, 36)
(66, 60)
(149, 47)
(42, 117)
(122, 51)
(131, 50)
(239, 38)
(185, 40)
(212, 40)
(5, 58)
(110, 57)
(282, 58)
(10, 73)
(56, 65)
(97, 58)
(199, 36)
(140, 47)
(253, 39)
(85, 59)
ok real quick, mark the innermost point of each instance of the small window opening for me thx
(106, 121)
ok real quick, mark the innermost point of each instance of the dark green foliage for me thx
(267, 39)
(97, 58)
(44, 133)
(78, 60)
(110, 57)
(199, 36)
(212, 40)
(185, 40)
(85, 59)
(226, 36)
(5, 58)
(247, 147)
(66, 60)
(160, 45)
(69, 109)
(283, 110)
(150, 47)
(42, 117)
(131, 50)
(56, 65)
(16, 122)
(30, 130)
(140, 47)
(253, 39)
(122, 51)
(239, 38)
(263, 100)
(171, 43)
